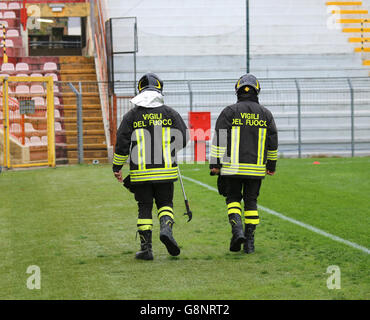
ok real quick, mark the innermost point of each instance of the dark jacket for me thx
(151, 137)
(245, 142)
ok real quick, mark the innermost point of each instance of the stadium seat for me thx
(35, 141)
(56, 113)
(56, 101)
(22, 66)
(37, 89)
(56, 89)
(7, 67)
(22, 89)
(29, 127)
(58, 126)
(14, 6)
(9, 15)
(12, 33)
(8, 43)
(44, 140)
(53, 75)
(50, 66)
(27, 141)
(36, 75)
(4, 23)
(14, 114)
(39, 101)
(15, 127)
(21, 75)
(3, 6)
(1, 15)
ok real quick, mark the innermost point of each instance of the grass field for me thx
(78, 225)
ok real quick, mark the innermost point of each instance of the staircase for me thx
(77, 69)
(356, 23)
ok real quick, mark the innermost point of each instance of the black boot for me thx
(165, 235)
(237, 231)
(146, 252)
(249, 235)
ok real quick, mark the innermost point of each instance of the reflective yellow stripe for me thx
(144, 221)
(143, 141)
(140, 138)
(251, 213)
(235, 139)
(272, 154)
(234, 210)
(234, 205)
(119, 159)
(252, 221)
(154, 178)
(145, 227)
(251, 217)
(165, 209)
(138, 141)
(166, 213)
(261, 145)
(166, 147)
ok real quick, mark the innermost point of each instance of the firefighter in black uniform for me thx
(151, 134)
(244, 149)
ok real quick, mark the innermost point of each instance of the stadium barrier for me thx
(314, 116)
(27, 121)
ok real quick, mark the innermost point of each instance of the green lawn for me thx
(79, 226)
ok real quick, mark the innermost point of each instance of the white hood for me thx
(148, 99)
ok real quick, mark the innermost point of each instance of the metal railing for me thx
(314, 116)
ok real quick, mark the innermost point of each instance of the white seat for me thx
(38, 89)
(3, 6)
(27, 141)
(50, 66)
(7, 67)
(35, 141)
(36, 75)
(15, 127)
(56, 89)
(56, 113)
(56, 101)
(28, 127)
(8, 43)
(22, 66)
(14, 114)
(1, 16)
(58, 126)
(44, 140)
(4, 23)
(53, 75)
(39, 101)
(22, 89)
(9, 15)
(12, 33)
(21, 75)
(14, 6)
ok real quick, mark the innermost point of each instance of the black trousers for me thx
(161, 193)
(246, 189)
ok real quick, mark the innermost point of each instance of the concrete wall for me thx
(207, 39)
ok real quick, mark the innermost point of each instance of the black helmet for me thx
(248, 80)
(150, 81)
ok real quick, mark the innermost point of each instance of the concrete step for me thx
(88, 160)
(88, 146)
(92, 154)
(86, 126)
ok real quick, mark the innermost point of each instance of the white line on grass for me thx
(301, 224)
